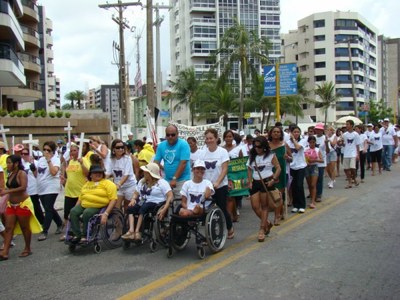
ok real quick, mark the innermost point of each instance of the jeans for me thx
(320, 182)
(387, 156)
(299, 198)
(86, 213)
(49, 211)
(220, 198)
(37, 208)
(361, 164)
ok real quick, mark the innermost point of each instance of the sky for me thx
(83, 35)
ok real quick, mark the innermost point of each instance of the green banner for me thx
(237, 177)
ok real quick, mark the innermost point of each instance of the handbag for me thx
(274, 196)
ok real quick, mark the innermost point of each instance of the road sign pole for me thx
(278, 100)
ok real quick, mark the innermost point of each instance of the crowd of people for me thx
(134, 176)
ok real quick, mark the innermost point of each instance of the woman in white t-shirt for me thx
(360, 129)
(216, 161)
(48, 185)
(260, 169)
(195, 191)
(152, 190)
(375, 150)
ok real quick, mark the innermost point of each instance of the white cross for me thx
(30, 141)
(13, 143)
(69, 129)
(3, 134)
(81, 140)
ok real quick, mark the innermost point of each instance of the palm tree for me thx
(238, 47)
(327, 94)
(75, 95)
(184, 90)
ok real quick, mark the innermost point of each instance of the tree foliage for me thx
(327, 96)
(77, 96)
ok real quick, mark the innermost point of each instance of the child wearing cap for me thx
(195, 191)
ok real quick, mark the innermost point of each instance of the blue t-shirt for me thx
(172, 156)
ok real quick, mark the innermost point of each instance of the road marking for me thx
(290, 224)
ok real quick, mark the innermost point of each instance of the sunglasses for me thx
(119, 147)
(23, 153)
(171, 134)
(47, 149)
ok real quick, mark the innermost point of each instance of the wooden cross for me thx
(81, 140)
(3, 134)
(68, 129)
(30, 141)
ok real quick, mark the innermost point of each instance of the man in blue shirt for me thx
(175, 153)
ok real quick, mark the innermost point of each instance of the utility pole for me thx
(353, 89)
(124, 104)
(150, 57)
(157, 24)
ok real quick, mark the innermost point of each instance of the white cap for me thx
(380, 121)
(199, 164)
(241, 133)
(370, 124)
(386, 120)
(130, 133)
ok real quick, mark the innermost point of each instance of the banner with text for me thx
(237, 177)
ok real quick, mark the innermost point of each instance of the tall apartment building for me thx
(320, 47)
(107, 98)
(389, 72)
(26, 70)
(196, 27)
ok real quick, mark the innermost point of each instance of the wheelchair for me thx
(181, 229)
(153, 230)
(97, 233)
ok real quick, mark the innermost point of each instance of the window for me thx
(319, 51)
(320, 78)
(304, 105)
(320, 64)
(319, 23)
(319, 38)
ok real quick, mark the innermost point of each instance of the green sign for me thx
(237, 177)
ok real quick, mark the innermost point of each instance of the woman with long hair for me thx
(19, 208)
(331, 157)
(260, 169)
(313, 157)
(216, 161)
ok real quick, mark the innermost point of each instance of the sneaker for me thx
(295, 210)
(42, 237)
(330, 185)
(59, 230)
(301, 210)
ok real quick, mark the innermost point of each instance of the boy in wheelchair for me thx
(194, 192)
(152, 190)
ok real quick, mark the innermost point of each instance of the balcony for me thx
(30, 62)
(28, 93)
(31, 36)
(11, 68)
(202, 5)
(10, 28)
(50, 53)
(203, 21)
(31, 10)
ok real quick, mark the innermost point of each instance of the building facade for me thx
(323, 46)
(196, 27)
(389, 72)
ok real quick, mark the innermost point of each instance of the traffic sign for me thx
(287, 80)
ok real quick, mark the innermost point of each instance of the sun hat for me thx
(199, 164)
(153, 169)
(319, 126)
(18, 147)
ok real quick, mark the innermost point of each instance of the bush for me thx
(67, 115)
(3, 113)
(12, 114)
(26, 113)
(43, 113)
(19, 113)
(59, 114)
(52, 114)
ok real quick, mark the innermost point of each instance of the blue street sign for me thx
(287, 82)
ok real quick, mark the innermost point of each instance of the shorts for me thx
(176, 191)
(349, 163)
(127, 192)
(311, 170)
(331, 156)
(17, 210)
(376, 156)
(143, 209)
(257, 186)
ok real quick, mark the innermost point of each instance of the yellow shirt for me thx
(146, 154)
(75, 177)
(88, 155)
(3, 164)
(98, 194)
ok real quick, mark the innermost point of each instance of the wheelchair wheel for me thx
(201, 252)
(216, 231)
(179, 235)
(111, 232)
(97, 248)
(170, 252)
(161, 228)
(126, 245)
(153, 246)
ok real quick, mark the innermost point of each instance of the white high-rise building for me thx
(196, 27)
(320, 47)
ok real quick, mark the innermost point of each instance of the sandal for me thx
(25, 253)
(348, 186)
(138, 236)
(268, 230)
(231, 234)
(3, 257)
(261, 235)
(277, 221)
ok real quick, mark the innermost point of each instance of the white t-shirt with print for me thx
(321, 145)
(351, 141)
(156, 194)
(117, 168)
(31, 188)
(299, 160)
(363, 138)
(194, 192)
(388, 135)
(376, 140)
(47, 183)
(214, 161)
(264, 165)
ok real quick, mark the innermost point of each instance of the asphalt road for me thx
(347, 248)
